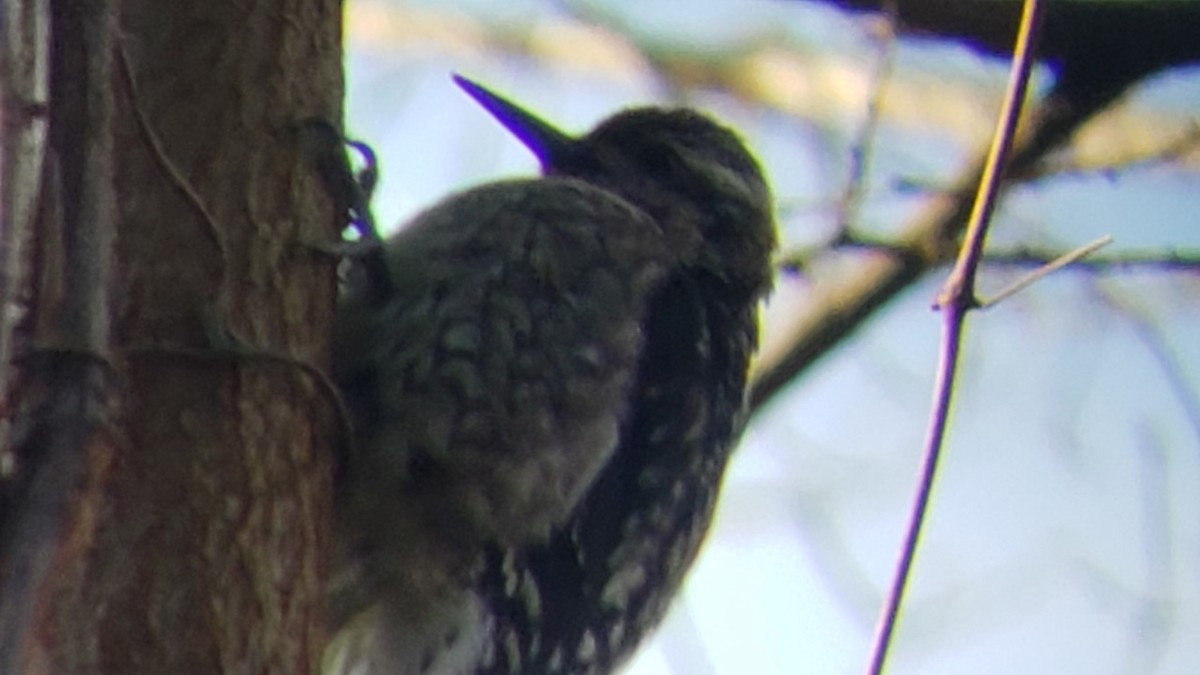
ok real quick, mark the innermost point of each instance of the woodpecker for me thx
(545, 398)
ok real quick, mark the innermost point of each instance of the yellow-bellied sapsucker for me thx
(545, 397)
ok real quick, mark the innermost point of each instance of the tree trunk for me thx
(165, 482)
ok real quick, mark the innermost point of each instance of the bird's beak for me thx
(548, 144)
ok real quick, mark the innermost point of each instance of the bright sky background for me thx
(1064, 536)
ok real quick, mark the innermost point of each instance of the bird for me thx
(544, 399)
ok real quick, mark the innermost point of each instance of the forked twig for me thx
(956, 298)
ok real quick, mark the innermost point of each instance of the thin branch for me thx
(1050, 267)
(1167, 261)
(860, 158)
(956, 299)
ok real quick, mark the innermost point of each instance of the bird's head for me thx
(692, 175)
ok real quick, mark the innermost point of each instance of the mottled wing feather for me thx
(581, 602)
(489, 392)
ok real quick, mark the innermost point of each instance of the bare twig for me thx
(1169, 260)
(1052, 266)
(1166, 259)
(860, 158)
(955, 300)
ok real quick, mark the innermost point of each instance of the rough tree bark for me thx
(165, 477)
